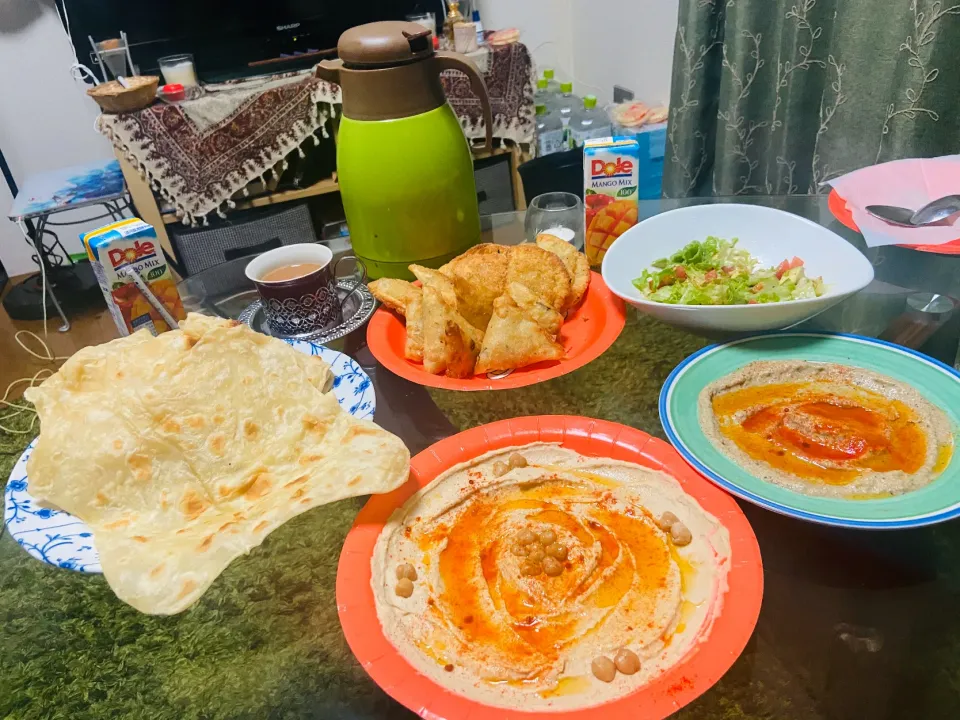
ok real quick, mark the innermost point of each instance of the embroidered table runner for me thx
(199, 153)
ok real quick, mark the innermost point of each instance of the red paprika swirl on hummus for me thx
(827, 429)
(525, 575)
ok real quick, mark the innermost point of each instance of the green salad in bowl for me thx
(717, 272)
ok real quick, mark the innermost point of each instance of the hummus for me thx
(826, 429)
(523, 577)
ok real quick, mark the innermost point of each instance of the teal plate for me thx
(939, 383)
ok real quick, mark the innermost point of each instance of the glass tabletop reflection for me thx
(853, 624)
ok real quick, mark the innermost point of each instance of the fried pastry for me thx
(445, 334)
(575, 262)
(395, 294)
(533, 309)
(479, 277)
(541, 271)
(513, 340)
(413, 348)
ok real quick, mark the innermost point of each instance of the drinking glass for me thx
(178, 70)
(556, 213)
(428, 20)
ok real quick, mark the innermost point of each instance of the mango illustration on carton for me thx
(132, 243)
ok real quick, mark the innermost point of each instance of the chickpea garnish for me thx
(603, 669)
(500, 468)
(557, 550)
(531, 568)
(408, 571)
(519, 549)
(526, 537)
(536, 553)
(552, 567)
(666, 521)
(680, 534)
(627, 661)
(547, 536)
(404, 587)
(517, 461)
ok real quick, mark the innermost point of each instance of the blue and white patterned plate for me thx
(351, 385)
(53, 536)
(57, 538)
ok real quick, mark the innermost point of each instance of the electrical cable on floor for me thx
(20, 409)
(46, 354)
(43, 275)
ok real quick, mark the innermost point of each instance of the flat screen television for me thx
(228, 38)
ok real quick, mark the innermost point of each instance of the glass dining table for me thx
(853, 624)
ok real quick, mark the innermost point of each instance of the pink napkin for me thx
(905, 183)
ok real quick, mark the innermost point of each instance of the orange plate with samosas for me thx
(585, 335)
(702, 666)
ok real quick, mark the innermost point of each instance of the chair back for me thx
(557, 172)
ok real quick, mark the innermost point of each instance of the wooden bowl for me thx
(112, 97)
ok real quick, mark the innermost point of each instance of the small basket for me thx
(115, 98)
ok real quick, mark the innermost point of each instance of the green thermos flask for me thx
(403, 162)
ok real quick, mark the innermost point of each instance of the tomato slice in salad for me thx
(788, 265)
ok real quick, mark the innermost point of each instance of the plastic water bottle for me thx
(567, 104)
(553, 85)
(550, 134)
(476, 21)
(589, 123)
(543, 96)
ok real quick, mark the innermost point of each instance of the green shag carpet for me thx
(263, 642)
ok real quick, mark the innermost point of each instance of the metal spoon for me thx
(891, 214)
(937, 210)
(929, 214)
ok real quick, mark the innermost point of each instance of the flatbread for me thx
(184, 451)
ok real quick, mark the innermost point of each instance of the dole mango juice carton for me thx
(610, 192)
(132, 243)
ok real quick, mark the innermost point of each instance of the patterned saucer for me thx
(358, 306)
(58, 538)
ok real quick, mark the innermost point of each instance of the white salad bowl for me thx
(767, 234)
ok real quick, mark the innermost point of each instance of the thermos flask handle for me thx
(329, 70)
(455, 61)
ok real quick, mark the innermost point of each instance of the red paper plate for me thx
(585, 335)
(838, 206)
(673, 689)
